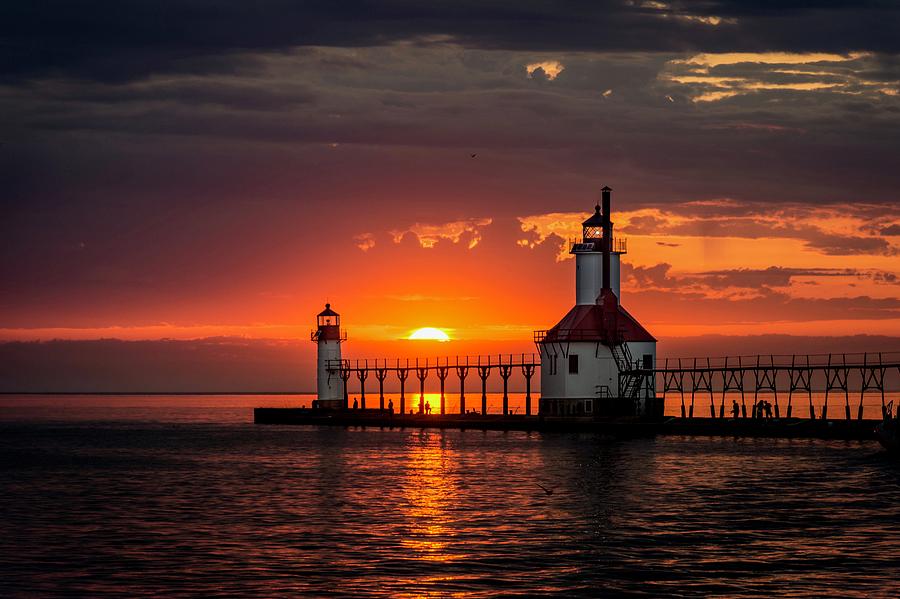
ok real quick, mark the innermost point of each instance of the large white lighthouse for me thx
(328, 338)
(596, 360)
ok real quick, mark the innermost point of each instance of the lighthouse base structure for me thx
(598, 361)
(330, 404)
(582, 379)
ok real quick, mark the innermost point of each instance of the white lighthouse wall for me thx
(551, 384)
(589, 276)
(596, 369)
(592, 371)
(330, 388)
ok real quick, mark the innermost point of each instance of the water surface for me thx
(182, 496)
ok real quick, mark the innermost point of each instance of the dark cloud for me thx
(442, 96)
(698, 307)
(774, 276)
(757, 220)
(104, 39)
(234, 94)
(763, 280)
(886, 278)
(656, 276)
(843, 245)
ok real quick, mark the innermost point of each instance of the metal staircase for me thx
(631, 378)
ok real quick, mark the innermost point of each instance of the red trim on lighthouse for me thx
(606, 321)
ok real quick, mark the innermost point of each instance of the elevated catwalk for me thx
(797, 376)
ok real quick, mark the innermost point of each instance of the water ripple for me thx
(185, 509)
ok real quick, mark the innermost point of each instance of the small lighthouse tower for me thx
(598, 360)
(328, 338)
(596, 268)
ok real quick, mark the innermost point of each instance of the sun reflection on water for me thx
(430, 489)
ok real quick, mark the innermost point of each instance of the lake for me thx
(184, 495)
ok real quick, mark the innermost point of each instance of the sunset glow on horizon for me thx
(753, 272)
(750, 270)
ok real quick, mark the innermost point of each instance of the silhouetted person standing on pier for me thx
(735, 409)
(355, 404)
(427, 408)
(391, 406)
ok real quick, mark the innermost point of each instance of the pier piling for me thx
(505, 372)
(345, 376)
(421, 374)
(528, 372)
(380, 374)
(484, 372)
(362, 374)
(442, 373)
(402, 374)
(462, 371)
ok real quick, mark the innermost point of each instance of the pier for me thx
(786, 428)
(693, 382)
(790, 378)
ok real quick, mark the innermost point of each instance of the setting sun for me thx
(429, 333)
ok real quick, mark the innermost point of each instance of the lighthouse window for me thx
(573, 364)
(648, 360)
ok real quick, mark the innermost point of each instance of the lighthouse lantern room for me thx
(598, 360)
(328, 338)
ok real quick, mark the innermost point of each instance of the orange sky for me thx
(716, 266)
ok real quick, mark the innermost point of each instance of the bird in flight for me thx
(473, 155)
(546, 490)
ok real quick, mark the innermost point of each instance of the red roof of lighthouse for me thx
(606, 321)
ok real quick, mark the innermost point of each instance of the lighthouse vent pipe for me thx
(607, 235)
